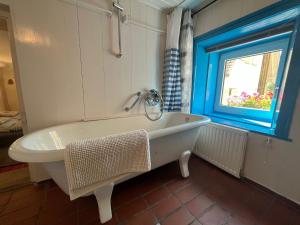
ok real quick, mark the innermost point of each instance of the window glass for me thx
(250, 81)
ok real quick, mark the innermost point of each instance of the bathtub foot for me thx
(103, 196)
(183, 163)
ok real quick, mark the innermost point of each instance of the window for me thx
(250, 81)
(249, 78)
(245, 73)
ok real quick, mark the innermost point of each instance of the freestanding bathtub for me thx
(171, 138)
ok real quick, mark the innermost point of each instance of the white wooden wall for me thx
(68, 70)
(108, 81)
(66, 59)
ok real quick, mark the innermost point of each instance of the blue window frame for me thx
(213, 50)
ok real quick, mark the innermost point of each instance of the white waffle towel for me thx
(94, 162)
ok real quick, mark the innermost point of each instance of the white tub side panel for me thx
(163, 150)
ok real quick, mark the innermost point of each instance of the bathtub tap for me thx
(150, 98)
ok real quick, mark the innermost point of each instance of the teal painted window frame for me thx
(278, 14)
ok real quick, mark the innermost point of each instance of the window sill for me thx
(246, 124)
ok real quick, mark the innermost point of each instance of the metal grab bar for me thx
(120, 9)
(138, 96)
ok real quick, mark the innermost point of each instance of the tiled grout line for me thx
(139, 196)
(143, 197)
(151, 207)
(140, 212)
(158, 222)
(10, 197)
(15, 209)
(149, 192)
(5, 205)
(265, 210)
(43, 204)
(215, 203)
(173, 193)
(169, 214)
(132, 200)
(17, 187)
(181, 204)
(182, 187)
(195, 219)
(45, 190)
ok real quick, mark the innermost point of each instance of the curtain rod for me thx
(204, 7)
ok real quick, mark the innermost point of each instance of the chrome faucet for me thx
(151, 98)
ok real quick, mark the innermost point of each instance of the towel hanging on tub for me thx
(91, 163)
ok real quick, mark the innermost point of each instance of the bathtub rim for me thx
(18, 152)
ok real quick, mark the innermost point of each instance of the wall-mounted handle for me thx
(120, 10)
(138, 96)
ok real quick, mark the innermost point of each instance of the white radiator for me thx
(222, 146)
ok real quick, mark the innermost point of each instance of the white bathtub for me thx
(171, 138)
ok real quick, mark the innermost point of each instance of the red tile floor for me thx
(208, 197)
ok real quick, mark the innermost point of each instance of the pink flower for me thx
(244, 94)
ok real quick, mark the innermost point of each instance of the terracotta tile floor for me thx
(14, 175)
(208, 197)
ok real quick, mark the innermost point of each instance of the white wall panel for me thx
(67, 60)
(117, 70)
(67, 63)
(154, 57)
(46, 38)
(92, 58)
(109, 81)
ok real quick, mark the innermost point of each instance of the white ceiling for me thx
(167, 4)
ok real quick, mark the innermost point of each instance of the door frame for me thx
(6, 15)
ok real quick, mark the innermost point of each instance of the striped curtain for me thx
(186, 49)
(171, 88)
